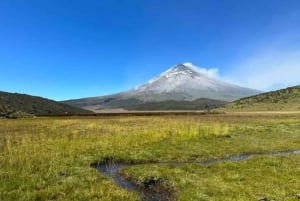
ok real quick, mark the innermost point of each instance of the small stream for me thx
(150, 190)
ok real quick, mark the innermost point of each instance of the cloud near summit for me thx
(210, 72)
(270, 70)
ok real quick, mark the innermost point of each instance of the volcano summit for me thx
(182, 82)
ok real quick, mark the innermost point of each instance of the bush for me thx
(19, 115)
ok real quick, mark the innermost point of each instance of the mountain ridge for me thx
(287, 99)
(181, 82)
(198, 104)
(35, 105)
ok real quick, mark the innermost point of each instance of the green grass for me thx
(271, 177)
(49, 158)
(280, 100)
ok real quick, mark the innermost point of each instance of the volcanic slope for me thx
(182, 82)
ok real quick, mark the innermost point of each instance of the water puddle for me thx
(245, 156)
(151, 190)
(112, 171)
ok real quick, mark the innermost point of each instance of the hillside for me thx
(281, 100)
(182, 82)
(199, 104)
(12, 102)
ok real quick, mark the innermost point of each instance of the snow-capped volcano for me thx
(181, 82)
(182, 77)
(186, 82)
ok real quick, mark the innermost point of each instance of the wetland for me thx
(49, 158)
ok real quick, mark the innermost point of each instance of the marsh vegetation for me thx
(50, 158)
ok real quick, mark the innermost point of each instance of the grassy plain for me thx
(49, 158)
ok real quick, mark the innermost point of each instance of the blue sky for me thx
(64, 49)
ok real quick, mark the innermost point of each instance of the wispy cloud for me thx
(210, 72)
(275, 60)
(270, 69)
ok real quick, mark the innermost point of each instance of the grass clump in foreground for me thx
(260, 176)
(49, 158)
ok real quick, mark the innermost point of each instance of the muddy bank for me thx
(151, 188)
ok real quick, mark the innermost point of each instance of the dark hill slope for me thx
(199, 104)
(281, 100)
(11, 102)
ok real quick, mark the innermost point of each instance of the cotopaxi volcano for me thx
(182, 83)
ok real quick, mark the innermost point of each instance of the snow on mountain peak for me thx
(180, 82)
(209, 72)
(181, 77)
(178, 69)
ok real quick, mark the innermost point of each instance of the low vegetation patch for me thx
(280, 100)
(13, 104)
(18, 115)
(198, 104)
(274, 178)
(49, 158)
